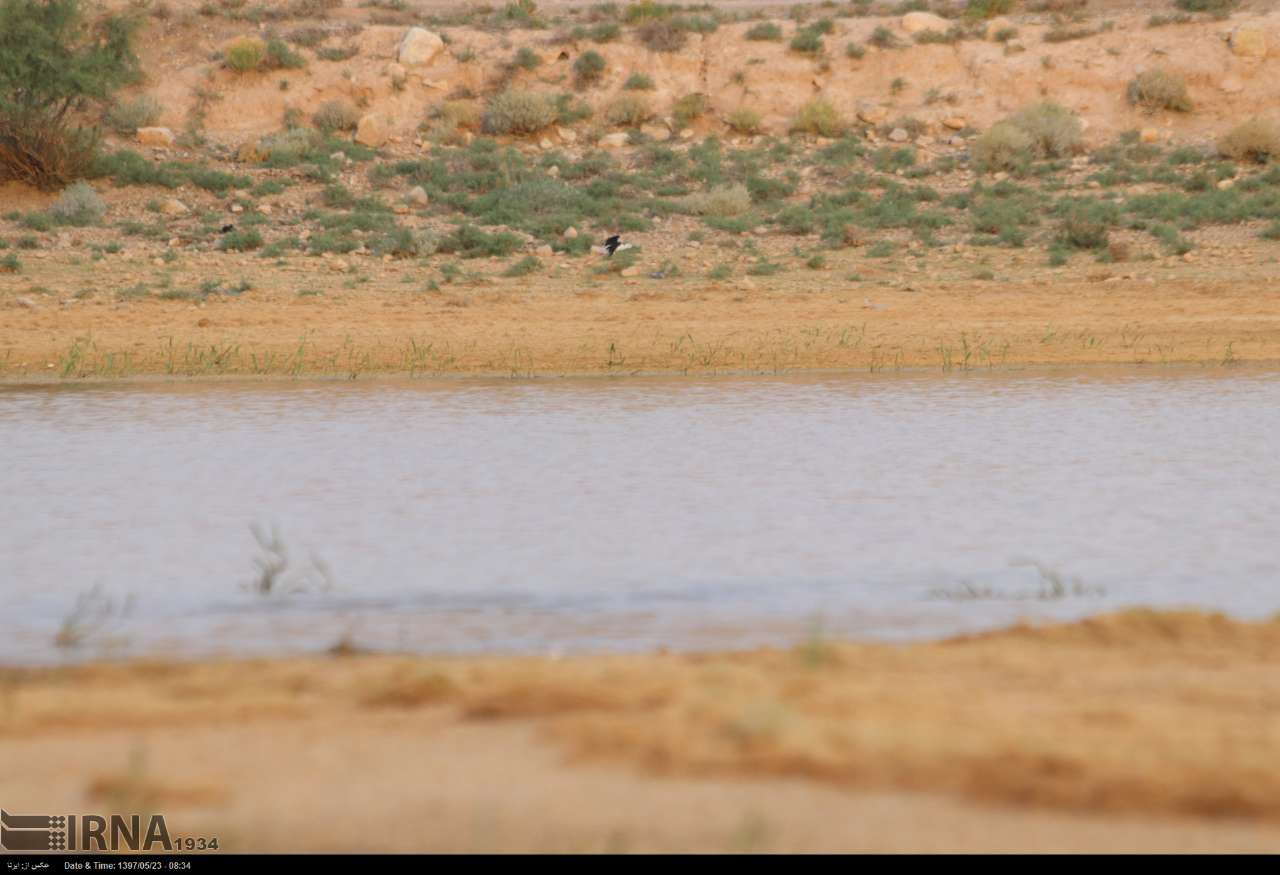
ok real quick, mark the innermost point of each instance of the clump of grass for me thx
(126, 116)
(806, 42)
(819, 117)
(245, 55)
(525, 266)
(240, 240)
(979, 9)
(1255, 140)
(526, 59)
(1045, 130)
(336, 115)
(689, 108)
(765, 31)
(468, 241)
(1214, 6)
(629, 111)
(589, 68)
(638, 82)
(883, 38)
(516, 111)
(338, 53)
(730, 200)
(605, 32)
(855, 51)
(1154, 90)
(744, 120)
(78, 205)
(10, 264)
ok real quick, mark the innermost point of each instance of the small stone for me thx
(570, 233)
(876, 115)
(955, 122)
(1149, 135)
(915, 22)
(614, 141)
(566, 134)
(25, 302)
(1231, 85)
(657, 133)
(633, 270)
(544, 251)
(1224, 184)
(338, 265)
(545, 143)
(418, 196)
(899, 135)
(687, 134)
(236, 208)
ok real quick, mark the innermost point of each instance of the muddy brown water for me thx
(581, 515)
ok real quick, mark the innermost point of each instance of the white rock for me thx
(570, 233)
(614, 141)
(899, 135)
(419, 47)
(418, 196)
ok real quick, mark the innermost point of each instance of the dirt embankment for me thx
(1129, 731)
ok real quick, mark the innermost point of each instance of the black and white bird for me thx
(611, 245)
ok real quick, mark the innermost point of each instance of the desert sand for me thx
(1134, 731)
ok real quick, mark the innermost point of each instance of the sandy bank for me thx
(1136, 730)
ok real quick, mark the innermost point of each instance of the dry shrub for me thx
(744, 121)
(662, 35)
(1255, 140)
(1054, 130)
(1155, 90)
(820, 118)
(629, 110)
(246, 55)
(729, 200)
(517, 111)
(1004, 146)
(336, 115)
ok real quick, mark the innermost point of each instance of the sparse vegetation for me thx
(516, 111)
(588, 69)
(1256, 140)
(1154, 90)
(819, 117)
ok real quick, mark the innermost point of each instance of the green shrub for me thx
(688, 109)
(526, 59)
(10, 264)
(1217, 6)
(806, 42)
(469, 241)
(336, 115)
(1085, 225)
(240, 240)
(78, 205)
(589, 68)
(978, 9)
(516, 111)
(1255, 140)
(525, 266)
(629, 110)
(765, 30)
(280, 57)
(54, 58)
(126, 116)
(883, 38)
(819, 117)
(1155, 90)
(246, 55)
(605, 32)
(638, 82)
(854, 51)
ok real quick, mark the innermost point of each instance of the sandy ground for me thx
(573, 322)
(1135, 731)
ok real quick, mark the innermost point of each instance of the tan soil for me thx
(1221, 310)
(1141, 730)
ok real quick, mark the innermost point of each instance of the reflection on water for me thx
(569, 515)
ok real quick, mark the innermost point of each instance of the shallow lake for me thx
(569, 515)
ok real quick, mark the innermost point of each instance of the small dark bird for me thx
(226, 229)
(611, 244)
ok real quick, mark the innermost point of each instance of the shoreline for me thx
(1154, 725)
